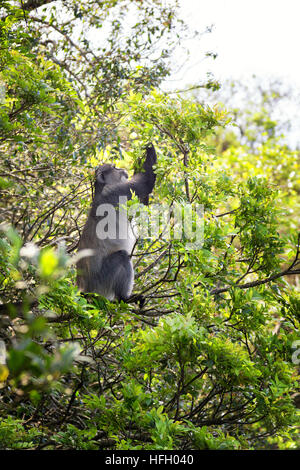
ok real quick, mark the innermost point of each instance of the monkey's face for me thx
(109, 174)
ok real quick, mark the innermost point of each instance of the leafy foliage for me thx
(209, 361)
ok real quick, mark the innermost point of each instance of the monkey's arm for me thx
(143, 183)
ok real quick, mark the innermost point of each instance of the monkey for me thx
(108, 270)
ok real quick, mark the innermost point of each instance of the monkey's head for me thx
(109, 174)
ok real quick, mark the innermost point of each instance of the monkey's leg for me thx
(119, 265)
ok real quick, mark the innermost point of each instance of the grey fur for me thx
(109, 271)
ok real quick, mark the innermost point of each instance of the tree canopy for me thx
(210, 361)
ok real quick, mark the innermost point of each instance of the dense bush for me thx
(210, 360)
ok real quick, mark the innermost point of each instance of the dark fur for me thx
(109, 270)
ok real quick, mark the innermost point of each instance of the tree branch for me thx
(247, 285)
(33, 4)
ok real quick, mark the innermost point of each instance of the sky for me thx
(259, 37)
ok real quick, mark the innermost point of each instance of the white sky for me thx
(259, 37)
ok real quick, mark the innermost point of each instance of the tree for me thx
(208, 361)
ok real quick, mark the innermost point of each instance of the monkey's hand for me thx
(143, 183)
(151, 158)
